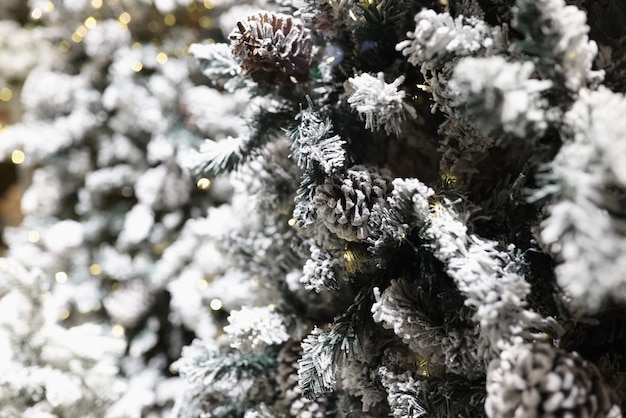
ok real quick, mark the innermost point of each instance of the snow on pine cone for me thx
(542, 381)
(273, 48)
(344, 201)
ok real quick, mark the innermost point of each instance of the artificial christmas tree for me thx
(110, 104)
(495, 232)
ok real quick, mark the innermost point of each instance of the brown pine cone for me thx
(273, 48)
(539, 380)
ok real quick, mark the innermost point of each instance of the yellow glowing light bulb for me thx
(91, 22)
(137, 66)
(36, 14)
(5, 94)
(202, 284)
(18, 157)
(33, 236)
(216, 304)
(60, 277)
(124, 18)
(95, 269)
(169, 19)
(81, 31)
(96, 4)
(204, 183)
(118, 330)
(64, 314)
(161, 57)
(205, 22)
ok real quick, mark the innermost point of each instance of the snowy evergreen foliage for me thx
(48, 369)
(407, 208)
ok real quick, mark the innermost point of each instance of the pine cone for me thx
(545, 382)
(273, 48)
(344, 201)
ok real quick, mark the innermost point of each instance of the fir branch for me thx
(439, 39)
(585, 228)
(220, 157)
(324, 350)
(215, 158)
(204, 366)
(381, 105)
(319, 271)
(220, 66)
(556, 33)
(316, 374)
(404, 394)
(454, 396)
(501, 98)
(314, 147)
(304, 211)
(219, 381)
(489, 278)
(319, 153)
(390, 225)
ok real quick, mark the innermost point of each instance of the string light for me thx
(292, 222)
(5, 94)
(18, 157)
(64, 46)
(355, 258)
(118, 330)
(449, 180)
(208, 4)
(216, 304)
(137, 66)
(169, 19)
(36, 14)
(95, 269)
(202, 284)
(161, 57)
(91, 22)
(49, 7)
(64, 314)
(33, 236)
(76, 37)
(60, 277)
(96, 4)
(203, 183)
(81, 31)
(124, 18)
(205, 22)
